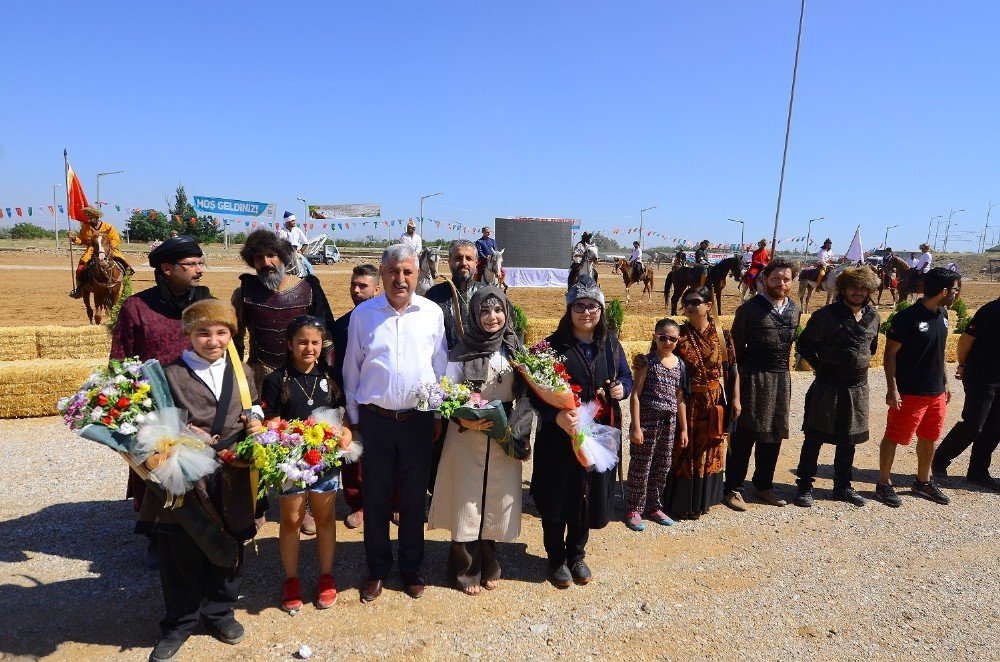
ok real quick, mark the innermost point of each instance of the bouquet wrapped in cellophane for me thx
(442, 397)
(184, 455)
(594, 444)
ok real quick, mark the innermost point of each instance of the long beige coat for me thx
(458, 503)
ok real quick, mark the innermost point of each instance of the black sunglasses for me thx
(693, 302)
(307, 320)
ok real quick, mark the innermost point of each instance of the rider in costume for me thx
(758, 260)
(701, 261)
(88, 230)
(824, 259)
(579, 251)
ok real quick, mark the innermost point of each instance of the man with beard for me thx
(763, 330)
(149, 326)
(839, 341)
(364, 286)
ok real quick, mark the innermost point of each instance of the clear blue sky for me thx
(576, 109)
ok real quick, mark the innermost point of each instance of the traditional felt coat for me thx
(840, 350)
(562, 489)
(762, 338)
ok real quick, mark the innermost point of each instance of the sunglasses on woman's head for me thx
(662, 337)
(693, 302)
(307, 320)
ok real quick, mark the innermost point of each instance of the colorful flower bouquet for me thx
(595, 445)
(297, 453)
(444, 396)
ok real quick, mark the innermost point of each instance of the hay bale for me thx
(32, 388)
(73, 342)
(18, 343)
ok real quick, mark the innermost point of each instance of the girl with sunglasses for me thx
(657, 410)
(303, 385)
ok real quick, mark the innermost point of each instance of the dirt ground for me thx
(37, 284)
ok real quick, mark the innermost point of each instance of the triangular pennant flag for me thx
(19, 213)
(856, 252)
(52, 210)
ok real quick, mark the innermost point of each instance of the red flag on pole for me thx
(75, 196)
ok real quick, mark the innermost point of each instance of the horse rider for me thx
(485, 247)
(922, 266)
(90, 228)
(412, 239)
(680, 259)
(296, 236)
(758, 260)
(635, 261)
(824, 260)
(580, 250)
(889, 278)
(701, 263)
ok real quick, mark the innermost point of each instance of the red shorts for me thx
(922, 415)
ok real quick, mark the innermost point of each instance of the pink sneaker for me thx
(634, 521)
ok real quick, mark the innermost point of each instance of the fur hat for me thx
(92, 212)
(209, 311)
(585, 287)
(861, 277)
(261, 241)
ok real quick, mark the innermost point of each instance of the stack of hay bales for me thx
(40, 364)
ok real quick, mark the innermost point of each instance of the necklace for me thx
(309, 396)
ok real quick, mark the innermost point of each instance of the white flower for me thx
(96, 414)
(140, 418)
(147, 403)
(127, 429)
(120, 378)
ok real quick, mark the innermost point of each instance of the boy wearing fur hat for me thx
(93, 227)
(838, 342)
(206, 383)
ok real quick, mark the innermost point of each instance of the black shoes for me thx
(850, 495)
(228, 632)
(561, 577)
(930, 491)
(804, 498)
(166, 649)
(887, 495)
(986, 480)
(581, 572)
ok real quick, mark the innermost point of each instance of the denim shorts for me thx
(329, 482)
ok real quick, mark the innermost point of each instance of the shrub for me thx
(25, 230)
(960, 309)
(615, 314)
(520, 320)
(887, 322)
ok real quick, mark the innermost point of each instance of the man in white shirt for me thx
(412, 239)
(294, 235)
(824, 260)
(635, 261)
(925, 259)
(395, 342)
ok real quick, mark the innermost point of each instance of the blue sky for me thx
(573, 109)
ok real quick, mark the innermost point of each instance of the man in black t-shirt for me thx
(917, 392)
(979, 372)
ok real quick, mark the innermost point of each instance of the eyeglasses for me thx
(191, 265)
(693, 303)
(586, 308)
(662, 337)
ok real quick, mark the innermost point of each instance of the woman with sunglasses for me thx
(295, 391)
(570, 500)
(657, 405)
(696, 479)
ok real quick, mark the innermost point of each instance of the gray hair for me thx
(398, 253)
(460, 243)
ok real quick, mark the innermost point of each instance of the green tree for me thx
(152, 225)
(605, 243)
(25, 230)
(148, 225)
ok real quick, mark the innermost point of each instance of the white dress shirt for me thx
(824, 256)
(212, 374)
(296, 236)
(389, 353)
(414, 242)
(924, 261)
(636, 255)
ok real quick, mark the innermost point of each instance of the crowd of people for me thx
(702, 400)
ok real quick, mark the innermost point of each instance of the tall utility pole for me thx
(422, 198)
(55, 213)
(641, 212)
(809, 232)
(104, 174)
(947, 229)
(929, 224)
(885, 242)
(305, 211)
(788, 130)
(982, 240)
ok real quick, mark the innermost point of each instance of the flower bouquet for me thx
(187, 455)
(444, 396)
(297, 453)
(595, 445)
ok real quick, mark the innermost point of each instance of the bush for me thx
(238, 238)
(884, 326)
(963, 324)
(25, 230)
(616, 315)
(520, 320)
(960, 309)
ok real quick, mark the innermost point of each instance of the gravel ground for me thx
(834, 582)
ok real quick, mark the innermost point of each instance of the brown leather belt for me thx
(705, 388)
(389, 413)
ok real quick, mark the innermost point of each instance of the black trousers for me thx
(980, 427)
(396, 452)
(741, 446)
(564, 543)
(471, 563)
(193, 587)
(843, 464)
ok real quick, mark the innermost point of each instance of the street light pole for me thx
(422, 198)
(982, 241)
(929, 224)
(305, 210)
(885, 241)
(55, 213)
(810, 231)
(641, 212)
(104, 174)
(742, 228)
(947, 229)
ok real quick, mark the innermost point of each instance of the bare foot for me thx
(491, 584)
(471, 590)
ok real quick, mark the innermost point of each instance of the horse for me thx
(493, 270)
(684, 277)
(807, 283)
(625, 267)
(587, 266)
(658, 259)
(896, 265)
(428, 261)
(102, 277)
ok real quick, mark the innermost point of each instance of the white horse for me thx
(428, 261)
(588, 266)
(493, 270)
(807, 287)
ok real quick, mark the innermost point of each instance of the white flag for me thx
(856, 253)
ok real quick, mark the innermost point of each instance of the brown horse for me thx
(896, 267)
(685, 277)
(911, 280)
(102, 277)
(646, 279)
